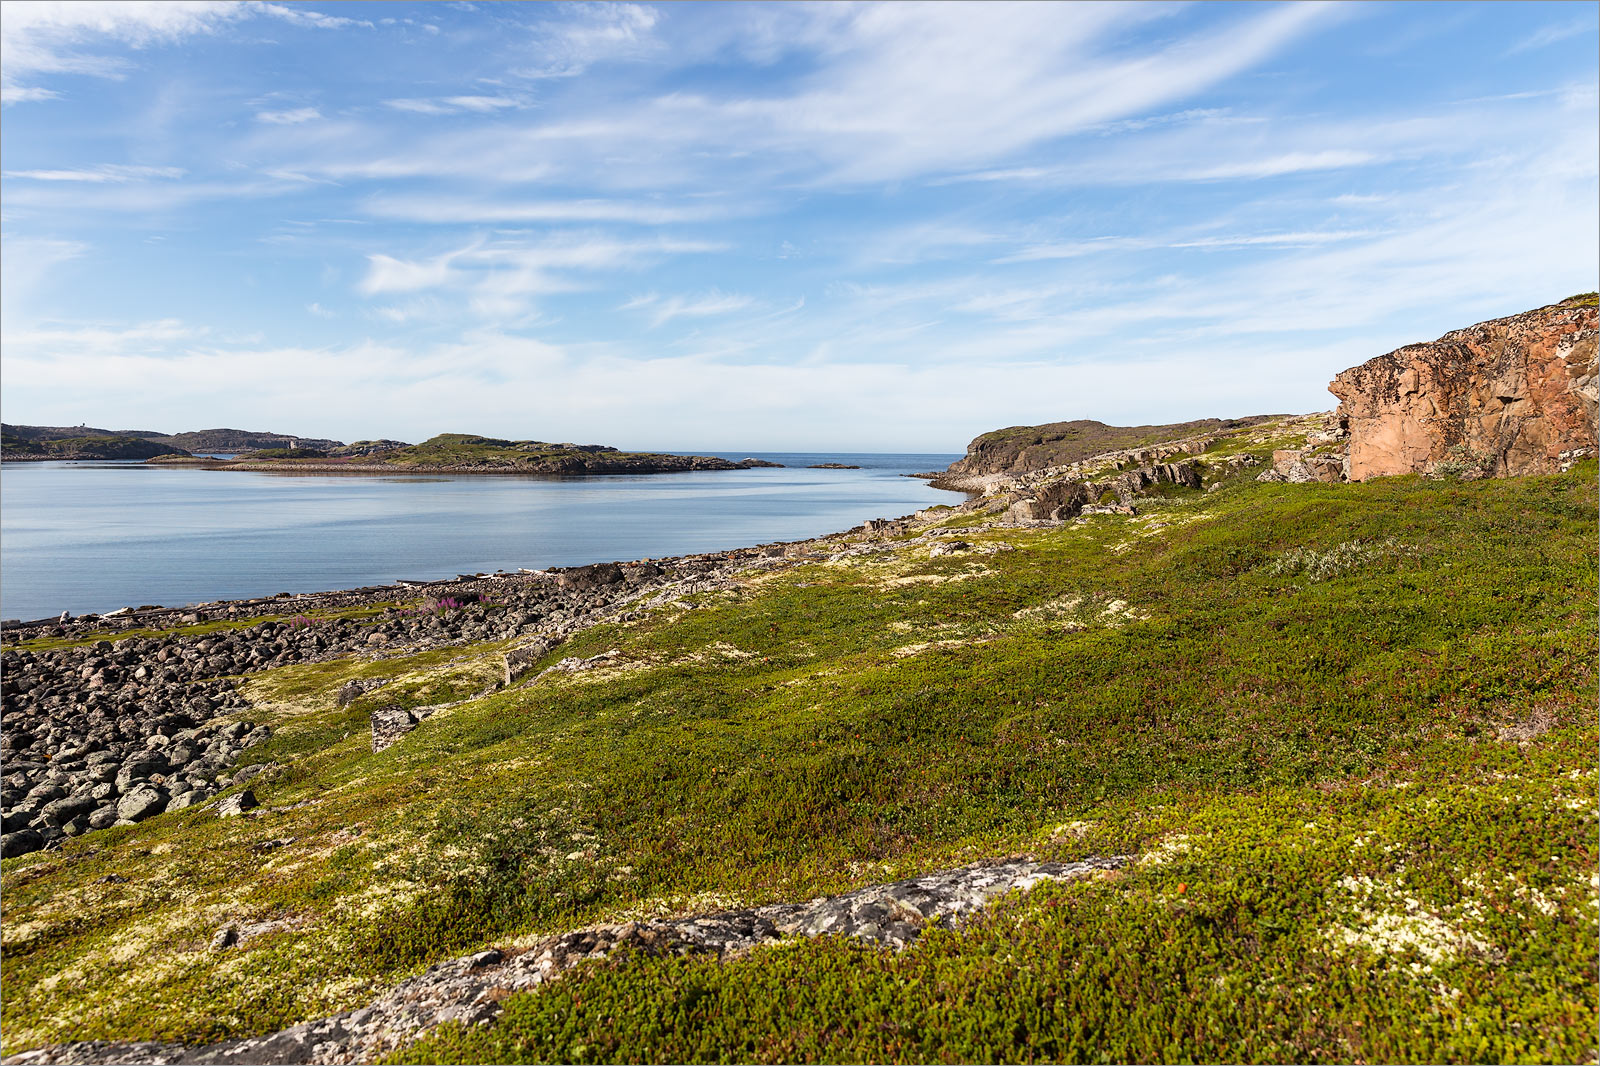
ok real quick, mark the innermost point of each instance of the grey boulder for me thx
(140, 803)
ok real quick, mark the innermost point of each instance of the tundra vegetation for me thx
(1348, 729)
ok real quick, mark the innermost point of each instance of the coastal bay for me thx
(99, 536)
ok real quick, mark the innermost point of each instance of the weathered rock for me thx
(236, 804)
(1514, 393)
(389, 723)
(141, 803)
(138, 767)
(62, 811)
(1055, 502)
(1300, 466)
(185, 799)
(587, 577)
(21, 842)
(521, 659)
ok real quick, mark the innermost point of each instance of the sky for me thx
(884, 227)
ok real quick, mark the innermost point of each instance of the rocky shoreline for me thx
(101, 730)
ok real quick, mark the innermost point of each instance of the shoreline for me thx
(111, 719)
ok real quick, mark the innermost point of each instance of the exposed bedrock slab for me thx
(470, 989)
(1519, 392)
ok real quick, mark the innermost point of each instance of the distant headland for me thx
(453, 453)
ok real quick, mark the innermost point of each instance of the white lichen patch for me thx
(967, 574)
(1073, 830)
(1386, 920)
(908, 650)
(1167, 850)
(1078, 611)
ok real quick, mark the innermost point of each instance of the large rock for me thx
(141, 803)
(235, 805)
(1518, 393)
(389, 723)
(1054, 502)
(20, 843)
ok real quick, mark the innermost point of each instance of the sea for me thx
(95, 536)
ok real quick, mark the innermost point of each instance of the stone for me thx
(104, 817)
(389, 723)
(235, 805)
(186, 799)
(139, 767)
(1055, 502)
(20, 843)
(588, 577)
(142, 802)
(522, 658)
(62, 811)
(1512, 394)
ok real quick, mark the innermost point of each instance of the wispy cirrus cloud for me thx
(45, 38)
(290, 117)
(106, 172)
(662, 310)
(588, 34)
(455, 105)
(1555, 32)
(449, 209)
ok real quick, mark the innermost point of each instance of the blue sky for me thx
(885, 227)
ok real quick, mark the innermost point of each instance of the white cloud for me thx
(70, 36)
(1302, 239)
(291, 117)
(1555, 32)
(591, 33)
(304, 16)
(457, 209)
(21, 94)
(109, 172)
(52, 37)
(455, 105)
(662, 311)
(499, 279)
(386, 274)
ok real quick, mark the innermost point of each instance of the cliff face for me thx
(1517, 393)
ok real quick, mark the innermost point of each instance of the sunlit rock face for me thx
(1516, 394)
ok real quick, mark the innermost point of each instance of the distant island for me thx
(35, 443)
(447, 453)
(464, 453)
(833, 466)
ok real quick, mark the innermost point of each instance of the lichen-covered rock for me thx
(236, 804)
(389, 723)
(1517, 394)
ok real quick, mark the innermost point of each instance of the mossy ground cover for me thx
(1350, 729)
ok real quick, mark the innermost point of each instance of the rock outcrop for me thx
(1026, 449)
(1511, 396)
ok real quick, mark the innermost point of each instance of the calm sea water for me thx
(86, 537)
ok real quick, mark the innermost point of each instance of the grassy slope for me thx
(1349, 863)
